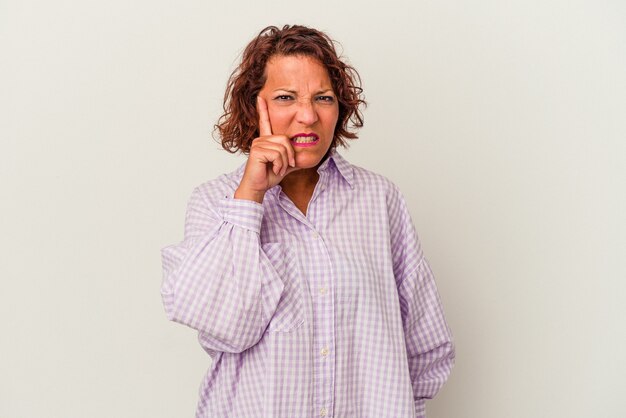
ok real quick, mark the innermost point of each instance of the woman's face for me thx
(302, 105)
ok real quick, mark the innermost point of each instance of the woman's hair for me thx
(238, 126)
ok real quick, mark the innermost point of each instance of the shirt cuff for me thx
(420, 408)
(246, 214)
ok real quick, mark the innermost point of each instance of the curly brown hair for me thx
(238, 126)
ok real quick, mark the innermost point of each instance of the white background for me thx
(503, 122)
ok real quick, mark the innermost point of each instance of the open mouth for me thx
(305, 140)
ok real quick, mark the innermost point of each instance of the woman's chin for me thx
(305, 163)
(305, 160)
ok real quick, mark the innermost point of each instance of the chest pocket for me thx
(289, 314)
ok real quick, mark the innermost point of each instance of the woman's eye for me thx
(327, 99)
(283, 97)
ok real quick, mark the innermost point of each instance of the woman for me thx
(302, 273)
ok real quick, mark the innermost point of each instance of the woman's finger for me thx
(264, 145)
(291, 154)
(285, 142)
(265, 128)
(274, 157)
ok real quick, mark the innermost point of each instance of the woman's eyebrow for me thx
(296, 93)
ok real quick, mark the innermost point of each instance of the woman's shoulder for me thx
(366, 179)
(376, 187)
(221, 186)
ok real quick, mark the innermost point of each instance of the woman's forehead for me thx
(296, 71)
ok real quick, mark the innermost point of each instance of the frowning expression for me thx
(302, 105)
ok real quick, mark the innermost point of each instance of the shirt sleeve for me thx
(429, 343)
(218, 280)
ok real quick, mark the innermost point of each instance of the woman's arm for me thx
(429, 343)
(218, 280)
(428, 339)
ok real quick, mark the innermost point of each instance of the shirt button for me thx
(322, 290)
(324, 351)
(323, 412)
(316, 235)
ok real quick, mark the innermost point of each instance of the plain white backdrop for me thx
(503, 122)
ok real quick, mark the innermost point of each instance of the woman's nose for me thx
(306, 113)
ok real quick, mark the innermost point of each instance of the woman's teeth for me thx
(304, 139)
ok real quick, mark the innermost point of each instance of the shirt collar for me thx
(343, 167)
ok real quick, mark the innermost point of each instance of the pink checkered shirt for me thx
(332, 314)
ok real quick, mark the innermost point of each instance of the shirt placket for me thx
(322, 293)
(323, 326)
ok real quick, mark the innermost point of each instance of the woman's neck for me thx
(299, 187)
(300, 180)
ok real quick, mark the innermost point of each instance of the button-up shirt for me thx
(330, 314)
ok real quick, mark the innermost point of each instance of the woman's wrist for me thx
(256, 196)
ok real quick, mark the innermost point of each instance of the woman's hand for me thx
(271, 158)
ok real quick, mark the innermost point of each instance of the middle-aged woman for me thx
(302, 273)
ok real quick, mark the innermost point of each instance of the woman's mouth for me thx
(305, 140)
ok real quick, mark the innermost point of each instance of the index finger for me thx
(265, 128)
